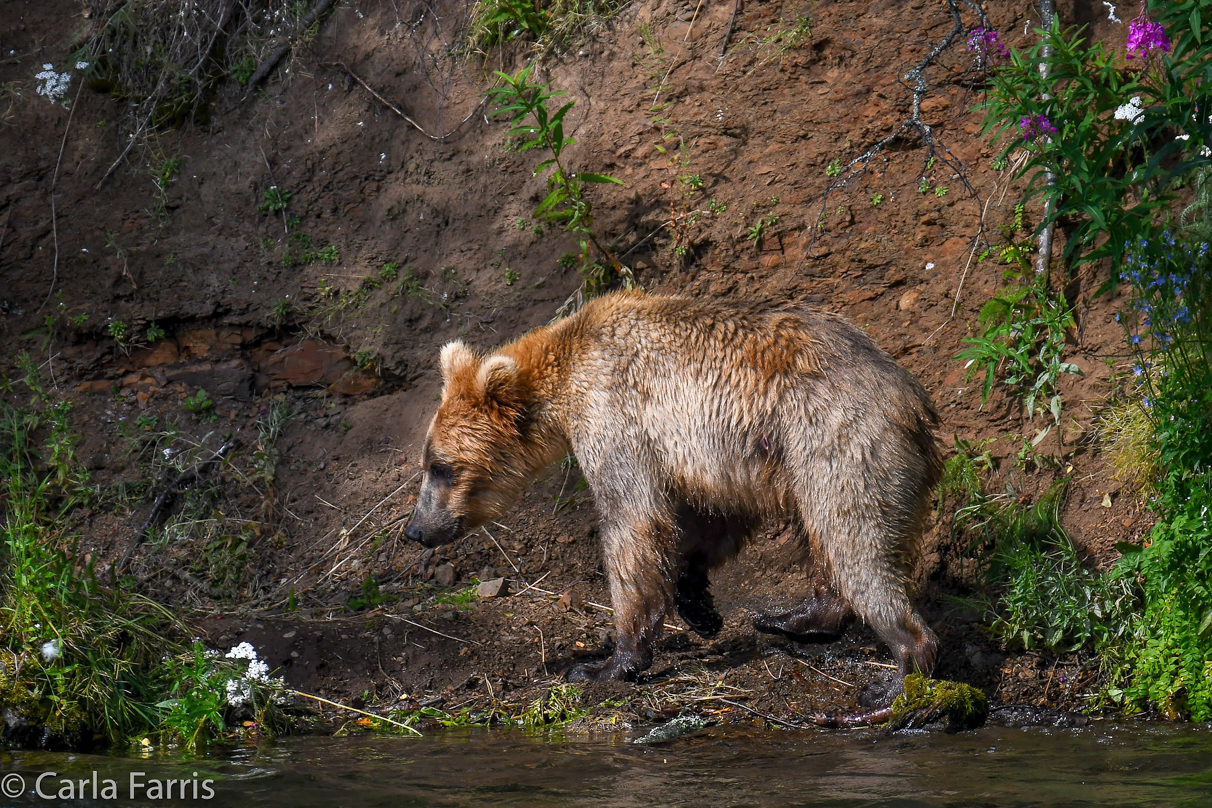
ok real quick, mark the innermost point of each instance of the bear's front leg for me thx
(641, 565)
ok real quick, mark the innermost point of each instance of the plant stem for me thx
(1048, 14)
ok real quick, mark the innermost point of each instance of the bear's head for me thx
(482, 447)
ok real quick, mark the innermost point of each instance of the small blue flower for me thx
(1135, 339)
(1137, 370)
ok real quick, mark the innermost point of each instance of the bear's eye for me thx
(441, 471)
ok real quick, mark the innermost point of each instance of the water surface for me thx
(1100, 765)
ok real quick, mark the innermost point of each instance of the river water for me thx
(1100, 765)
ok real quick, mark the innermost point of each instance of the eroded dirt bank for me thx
(333, 308)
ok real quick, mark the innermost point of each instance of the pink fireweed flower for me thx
(1145, 36)
(1035, 126)
(987, 43)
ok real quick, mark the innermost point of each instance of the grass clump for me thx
(552, 26)
(86, 662)
(168, 59)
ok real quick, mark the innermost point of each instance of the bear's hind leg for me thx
(824, 617)
(693, 598)
(707, 538)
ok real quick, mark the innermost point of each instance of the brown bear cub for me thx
(694, 422)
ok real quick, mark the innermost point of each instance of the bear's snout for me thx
(433, 529)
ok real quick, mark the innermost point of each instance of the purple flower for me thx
(1036, 125)
(1144, 36)
(985, 43)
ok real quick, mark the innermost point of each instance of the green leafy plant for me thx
(274, 200)
(370, 595)
(755, 232)
(1112, 173)
(243, 70)
(876, 199)
(549, 24)
(154, 332)
(1022, 341)
(834, 168)
(201, 405)
(566, 203)
(501, 20)
(328, 255)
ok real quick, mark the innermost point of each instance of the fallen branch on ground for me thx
(272, 60)
(183, 479)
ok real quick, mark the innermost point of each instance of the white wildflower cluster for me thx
(1204, 151)
(240, 689)
(1131, 111)
(52, 84)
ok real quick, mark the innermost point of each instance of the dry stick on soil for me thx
(736, 6)
(972, 252)
(54, 180)
(393, 722)
(432, 630)
(271, 62)
(591, 604)
(350, 532)
(827, 676)
(915, 82)
(398, 111)
(165, 499)
(676, 64)
(502, 549)
(532, 586)
(766, 716)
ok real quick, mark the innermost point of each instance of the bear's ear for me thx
(497, 381)
(457, 362)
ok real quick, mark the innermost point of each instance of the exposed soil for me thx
(355, 361)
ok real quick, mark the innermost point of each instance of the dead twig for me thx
(1044, 256)
(736, 6)
(272, 60)
(323, 700)
(502, 549)
(766, 716)
(378, 97)
(817, 670)
(915, 81)
(433, 630)
(54, 180)
(183, 479)
(590, 604)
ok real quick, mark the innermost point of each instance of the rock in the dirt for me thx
(496, 588)
(445, 574)
(671, 731)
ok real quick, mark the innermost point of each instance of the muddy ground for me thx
(276, 546)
